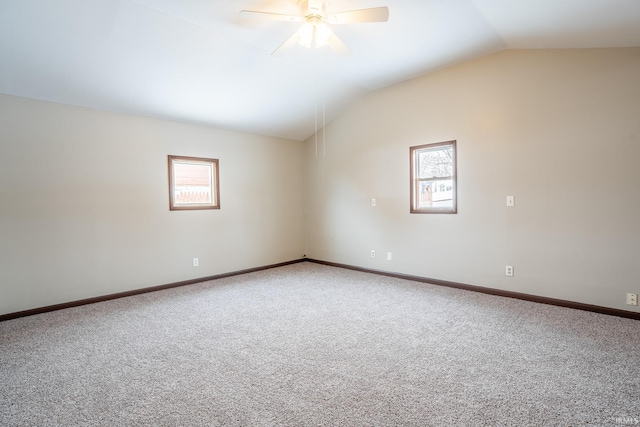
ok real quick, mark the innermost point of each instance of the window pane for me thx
(435, 194)
(193, 182)
(435, 162)
(433, 178)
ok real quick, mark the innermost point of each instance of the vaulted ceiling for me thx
(198, 61)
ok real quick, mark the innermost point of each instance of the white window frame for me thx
(416, 181)
(212, 199)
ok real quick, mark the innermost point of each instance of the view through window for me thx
(433, 178)
(193, 183)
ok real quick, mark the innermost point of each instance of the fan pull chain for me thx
(315, 117)
(321, 87)
(324, 123)
(315, 102)
(324, 131)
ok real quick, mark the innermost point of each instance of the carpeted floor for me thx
(311, 345)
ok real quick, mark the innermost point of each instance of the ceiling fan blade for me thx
(376, 14)
(288, 44)
(270, 16)
(338, 46)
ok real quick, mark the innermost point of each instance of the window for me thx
(193, 183)
(433, 178)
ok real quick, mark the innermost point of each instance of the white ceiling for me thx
(198, 61)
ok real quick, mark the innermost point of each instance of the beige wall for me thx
(84, 199)
(558, 129)
(84, 203)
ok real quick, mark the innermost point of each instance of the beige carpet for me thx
(311, 345)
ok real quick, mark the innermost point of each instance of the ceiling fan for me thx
(315, 31)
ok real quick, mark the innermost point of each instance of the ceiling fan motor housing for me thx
(315, 31)
(312, 8)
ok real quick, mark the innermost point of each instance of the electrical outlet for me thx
(632, 299)
(373, 254)
(195, 262)
(509, 270)
(373, 202)
(388, 256)
(511, 201)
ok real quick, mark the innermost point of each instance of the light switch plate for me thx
(511, 201)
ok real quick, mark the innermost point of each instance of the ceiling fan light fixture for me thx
(314, 35)
(315, 31)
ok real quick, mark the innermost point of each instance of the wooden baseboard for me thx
(491, 291)
(78, 303)
(482, 289)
